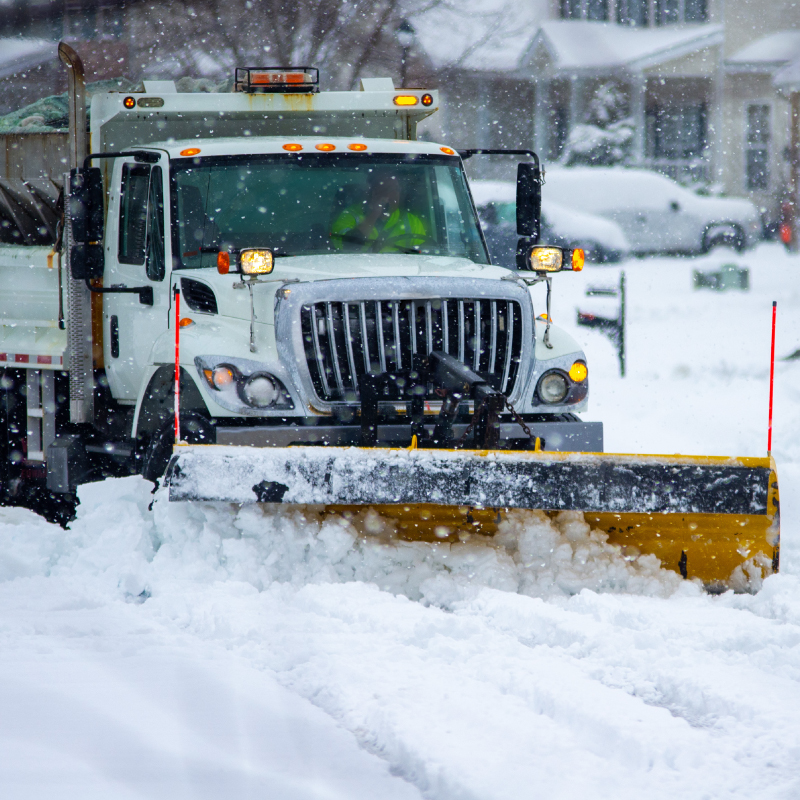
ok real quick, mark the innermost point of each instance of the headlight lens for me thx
(257, 262)
(546, 259)
(259, 390)
(552, 388)
(220, 377)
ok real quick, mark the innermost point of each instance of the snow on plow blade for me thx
(704, 516)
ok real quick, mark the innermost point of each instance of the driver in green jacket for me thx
(379, 224)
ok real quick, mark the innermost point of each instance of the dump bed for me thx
(29, 308)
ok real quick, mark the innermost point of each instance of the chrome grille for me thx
(344, 340)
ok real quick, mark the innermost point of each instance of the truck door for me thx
(136, 255)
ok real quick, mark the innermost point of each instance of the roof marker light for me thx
(448, 151)
(293, 147)
(129, 102)
(190, 151)
(357, 146)
(326, 147)
(406, 100)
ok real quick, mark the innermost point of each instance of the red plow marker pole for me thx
(771, 377)
(178, 367)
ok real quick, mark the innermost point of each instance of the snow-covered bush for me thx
(606, 135)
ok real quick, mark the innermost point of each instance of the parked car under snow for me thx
(657, 214)
(602, 240)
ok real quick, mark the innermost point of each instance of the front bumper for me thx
(558, 436)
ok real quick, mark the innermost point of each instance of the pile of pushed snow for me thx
(118, 539)
(531, 553)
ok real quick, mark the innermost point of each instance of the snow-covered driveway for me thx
(209, 652)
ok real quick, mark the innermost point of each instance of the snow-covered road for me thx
(206, 652)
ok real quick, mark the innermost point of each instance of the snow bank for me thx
(205, 651)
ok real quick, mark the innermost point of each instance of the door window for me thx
(141, 221)
(156, 266)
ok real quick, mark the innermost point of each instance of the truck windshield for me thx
(316, 204)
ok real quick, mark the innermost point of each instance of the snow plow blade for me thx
(702, 516)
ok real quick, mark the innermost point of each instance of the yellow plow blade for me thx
(702, 516)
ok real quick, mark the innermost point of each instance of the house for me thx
(692, 81)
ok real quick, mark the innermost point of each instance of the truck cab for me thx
(257, 260)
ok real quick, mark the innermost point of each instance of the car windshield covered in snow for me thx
(315, 204)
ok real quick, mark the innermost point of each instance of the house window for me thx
(570, 9)
(585, 9)
(669, 12)
(677, 134)
(597, 10)
(633, 12)
(695, 11)
(757, 148)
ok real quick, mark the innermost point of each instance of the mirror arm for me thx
(145, 292)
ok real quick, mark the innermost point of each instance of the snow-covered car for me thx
(602, 239)
(657, 214)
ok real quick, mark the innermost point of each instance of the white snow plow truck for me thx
(280, 295)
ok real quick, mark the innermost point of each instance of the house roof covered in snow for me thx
(579, 46)
(17, 55)
(787, 79)
(485, 36)
(767, 53)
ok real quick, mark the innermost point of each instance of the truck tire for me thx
(195, 429)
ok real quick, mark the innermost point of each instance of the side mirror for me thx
(529, 201)
(85, 204)
(85, 215)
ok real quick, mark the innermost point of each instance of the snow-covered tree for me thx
(606, 134)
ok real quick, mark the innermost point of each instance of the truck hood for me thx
(236, 302)
(315, 268)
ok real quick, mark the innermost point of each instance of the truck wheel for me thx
(195, 429)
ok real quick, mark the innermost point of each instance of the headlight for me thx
(241, 385)
(259, 390)
(220, 377)
(256, 262)
(552, 388)
(546, 259)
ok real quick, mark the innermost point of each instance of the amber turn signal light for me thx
(223, 262)
(578, 372)
(578, 259)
